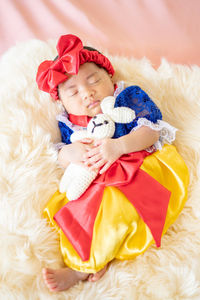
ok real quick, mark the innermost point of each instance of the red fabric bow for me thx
(70, 56)
(147, 195)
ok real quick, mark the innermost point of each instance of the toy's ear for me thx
(107, 104)
(78, 135)
(122, 115)
(117, 114)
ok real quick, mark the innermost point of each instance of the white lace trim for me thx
(58, 146)
(119, 89)
(167, 132)
(63, 117)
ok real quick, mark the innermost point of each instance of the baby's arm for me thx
(107, 151)
(138, 140)
(74, 153)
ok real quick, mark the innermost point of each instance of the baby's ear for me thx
(78, 135)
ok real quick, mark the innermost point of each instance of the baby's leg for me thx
(62, 279)
(96, 276)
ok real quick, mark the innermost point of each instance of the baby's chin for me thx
(95, 111)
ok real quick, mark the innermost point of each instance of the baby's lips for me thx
(93, 103)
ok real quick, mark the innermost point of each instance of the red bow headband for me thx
(71, 55)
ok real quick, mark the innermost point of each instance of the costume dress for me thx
(121, 227)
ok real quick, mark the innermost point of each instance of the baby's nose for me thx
(87, 94)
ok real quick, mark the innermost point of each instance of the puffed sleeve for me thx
(135, 98)
(65, 132)
(147, 114)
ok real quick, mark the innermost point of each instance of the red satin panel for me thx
(151, 200)
(76, 219)
(148, 196)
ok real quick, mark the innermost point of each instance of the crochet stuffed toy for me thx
(77, 178)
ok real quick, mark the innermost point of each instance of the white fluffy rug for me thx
(30, 175)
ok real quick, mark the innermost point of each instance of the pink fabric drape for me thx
(155, 28)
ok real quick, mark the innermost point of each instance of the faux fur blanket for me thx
(30, 175)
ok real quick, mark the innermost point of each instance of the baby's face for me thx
(82, 94)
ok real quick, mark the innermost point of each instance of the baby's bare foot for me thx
(62, 279)
(96, 276)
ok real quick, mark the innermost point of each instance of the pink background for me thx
(151, 28)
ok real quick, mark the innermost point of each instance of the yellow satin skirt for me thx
(119, 232)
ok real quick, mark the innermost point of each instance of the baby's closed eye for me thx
(93, 79)
(72, 93)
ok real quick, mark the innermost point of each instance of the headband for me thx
(71, 55)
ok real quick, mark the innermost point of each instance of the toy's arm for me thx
(76, 180)
(77, 177)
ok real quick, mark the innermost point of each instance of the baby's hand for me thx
(74, 152)
(80, 149)
(103, 154)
